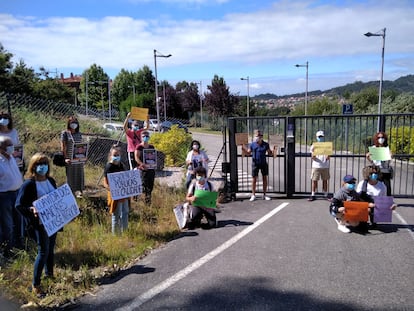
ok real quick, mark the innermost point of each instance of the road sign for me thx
(347, 109)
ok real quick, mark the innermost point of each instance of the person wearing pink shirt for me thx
(133, 136)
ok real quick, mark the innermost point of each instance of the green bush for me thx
(402, 140)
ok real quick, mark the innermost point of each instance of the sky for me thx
(262, 40)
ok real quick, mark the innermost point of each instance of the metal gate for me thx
(290, 168)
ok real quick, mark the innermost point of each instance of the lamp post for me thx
(165, 103)
(248, 103)
(133, 91)
(306, 97)
(157, 54)
(201, 103)
(380, 33)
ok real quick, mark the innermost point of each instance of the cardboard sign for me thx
(205, 198)
(356, 211)
(323, 148)
(149, 157)
(139, 113)
(380, 153)
(382, 210)
(242, 139)
(18, 155)
(80, 153)
(125, 184)
(56, 209)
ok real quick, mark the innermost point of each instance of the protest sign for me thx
(322, 148)
(242, 139)
(380, 153)
(56, 209)
(18, 155)
(356, 211)
(205, 198)
(179, 215)
(139, 113)
(382, 210)
(149, 157)
(80, 153)
(125, 184)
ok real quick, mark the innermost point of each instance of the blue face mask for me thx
(136, 127)
(320, 139)
(145, 139)
(350, 186)
(116, 158)
(42, 169)
(4, 121)
(374, 176)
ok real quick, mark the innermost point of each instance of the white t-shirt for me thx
(196, 160)
(13, 136)
(377, 190)
(320, 161)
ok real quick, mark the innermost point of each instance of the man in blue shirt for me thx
(258, 149)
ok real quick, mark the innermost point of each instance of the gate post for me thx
(234, 181)
(290, 157)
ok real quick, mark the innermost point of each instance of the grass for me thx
(205, 130)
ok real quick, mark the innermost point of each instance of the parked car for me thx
(166, 125)
(113, 127)
(153, 124)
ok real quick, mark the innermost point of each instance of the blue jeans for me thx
(120, 217)
(7, 201)
(45, 254)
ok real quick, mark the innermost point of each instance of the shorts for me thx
(264, 168)
(320, 173)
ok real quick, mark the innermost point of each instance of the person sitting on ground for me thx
(195, 213)
(347, 193)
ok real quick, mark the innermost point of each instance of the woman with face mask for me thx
(380, 139)
(347, 193)
(74, 171)
(37, 185)
(118, 209)
(10, 181)
(195, 158)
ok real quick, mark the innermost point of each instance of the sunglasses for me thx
(145, 135)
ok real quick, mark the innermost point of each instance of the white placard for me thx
(125, 184)
(56, 209)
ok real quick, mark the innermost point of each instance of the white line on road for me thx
(157, 289)
(402, 220)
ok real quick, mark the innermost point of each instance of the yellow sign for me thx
(139, 113)
(242, 139)
(325, 148)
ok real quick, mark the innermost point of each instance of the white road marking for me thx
(402, 220)
(157, 289)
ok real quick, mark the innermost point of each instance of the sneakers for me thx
(38, 291)
(265, 197)
(252, 198)
(311, 198)
(342, 227)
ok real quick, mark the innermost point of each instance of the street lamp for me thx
(306, 97)
(133, 90)
(157, 54)
(380, 33)
(248, 98)
(201, 103)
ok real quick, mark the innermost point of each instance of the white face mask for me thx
(10, 149)
(381, 140)
(73, 126)
(4, 122)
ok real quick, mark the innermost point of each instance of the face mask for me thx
(116, 158)
(381, 140)
(73, 126)
(258, 138)
(136, 127)
(320, 139)
(195, 147)
(350, 186)
(4, 122)
(200, 178)
(145, 139)
(10, 149)
(42, 169)
(374, 176)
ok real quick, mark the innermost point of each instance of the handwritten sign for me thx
(80, 153)
(139, 113)
(323, 148)
(205, 198)
(382, 210)
(149, 157)
(18, 155)
(125, 184)
(242, 139)
(356, 211)
(56, 209)
(380, 153)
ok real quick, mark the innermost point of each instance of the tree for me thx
(188, 97)
(22, 79)
(97, 87)
(365, 100)
(6, 66)
(219, 101)
(52, 89)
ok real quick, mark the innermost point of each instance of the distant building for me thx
(73, 82)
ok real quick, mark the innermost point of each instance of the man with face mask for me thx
(10, 181)
(147, 172)
(320, 169)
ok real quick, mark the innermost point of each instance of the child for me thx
(119, 209)
(194, 213)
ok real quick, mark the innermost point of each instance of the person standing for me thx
(74, 171)
(320, 169)
(119, 209)
(195, 158)
(39, 184)
(147, 172)
(10, 181)
(380, 139)
(133, 136)
(6, 128)
(258, 149)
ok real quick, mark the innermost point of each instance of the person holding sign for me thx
(347, 193)
(195, 158)
(258, 150)
(192, 210)
(320, 168)
(119, 209)
(147, 171)
(39, 184)
(380, 140)
(133, 136)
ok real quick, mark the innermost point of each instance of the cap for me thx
(320, 133)
(349, 178)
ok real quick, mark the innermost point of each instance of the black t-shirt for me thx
(141, 154)
(113, 168)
